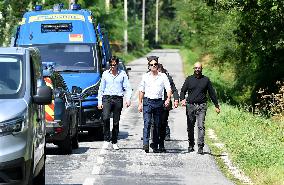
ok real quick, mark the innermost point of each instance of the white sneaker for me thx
(105, 145)
(115, 146)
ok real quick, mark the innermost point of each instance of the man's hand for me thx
(217, 109)
(175, 103)
(128, 103)
(167, 102)
(183, 102)
(140, 106)
(100, 106)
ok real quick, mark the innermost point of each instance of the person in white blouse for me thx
(151, 100)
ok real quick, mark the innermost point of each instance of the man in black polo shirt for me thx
(197, 86)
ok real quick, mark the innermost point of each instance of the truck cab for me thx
(23, 95)
(77, 49)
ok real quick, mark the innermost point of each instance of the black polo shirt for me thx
(197, 89)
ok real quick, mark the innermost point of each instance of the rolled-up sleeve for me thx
(101, 90)
(142, 84)
(127, 87)
(166, 83)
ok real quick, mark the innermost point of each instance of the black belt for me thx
(158, 99)
(112, 96)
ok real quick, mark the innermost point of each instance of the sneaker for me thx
(105, 145)
(146, 148)
(163, 150)
(200, 151)
(167, 138)
(156, 150)
(190, 149)
(115, 146)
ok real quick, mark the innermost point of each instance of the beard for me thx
(197, 72)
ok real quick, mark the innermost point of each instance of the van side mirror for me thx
(128, 69)
(43, 95)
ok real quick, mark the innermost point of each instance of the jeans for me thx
(196, 113)
(112, 104)
(151, 108)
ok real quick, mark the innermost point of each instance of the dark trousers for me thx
(112, 104)
(196, 113)
(151, 108)
(163, 126)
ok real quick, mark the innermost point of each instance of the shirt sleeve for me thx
(212, 94)
(101, 90)
(166, 82)
(127, 87)
(142, 84)
(173, 87)
(184, 89)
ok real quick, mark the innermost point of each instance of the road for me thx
(91, 164)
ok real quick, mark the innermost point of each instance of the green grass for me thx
(255, 144)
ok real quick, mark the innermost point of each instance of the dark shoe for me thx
(155, 150)
(190, 149)
(152, 145)
(146, 148)
(168, 138)
(163, 150)
(200, 151)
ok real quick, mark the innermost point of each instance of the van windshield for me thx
(79, 57)
(11, 78)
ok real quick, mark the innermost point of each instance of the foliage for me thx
(254, 143)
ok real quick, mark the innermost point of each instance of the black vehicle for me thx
(62, 114)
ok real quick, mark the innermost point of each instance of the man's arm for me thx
(100, 91)
(173, 87)
(168, 89)
(140, 101)
(213, 96)
(183, 91)
(128, 89)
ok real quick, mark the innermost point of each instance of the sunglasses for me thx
(197, 68)
(153, 64)
(112, 64)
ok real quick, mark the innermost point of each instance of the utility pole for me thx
(157, 22)
(126, 25)
(143, 22)
(107, 6)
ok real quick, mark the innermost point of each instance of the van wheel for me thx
(66, 145)
(40, 178)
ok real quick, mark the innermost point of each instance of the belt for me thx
(158, 99)
(112, 96)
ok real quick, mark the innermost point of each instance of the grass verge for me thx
(255, 144)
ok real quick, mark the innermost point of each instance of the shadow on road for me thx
(57, 151)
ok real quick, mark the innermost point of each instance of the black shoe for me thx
(155, 150)
(190, 149)
(152, 145)
(200, 151)
(168, 138)
(163, 150)
(146, 148)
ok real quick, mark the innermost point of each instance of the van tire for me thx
(40, 178)
(66, 145)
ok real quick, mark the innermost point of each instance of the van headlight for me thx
(12, 126)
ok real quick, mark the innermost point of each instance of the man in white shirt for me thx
(151, 95)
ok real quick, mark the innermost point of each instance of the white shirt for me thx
(153, 85)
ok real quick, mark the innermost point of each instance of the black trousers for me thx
(111, 104)
(163, 127)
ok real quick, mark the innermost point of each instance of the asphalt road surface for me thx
(91, 164)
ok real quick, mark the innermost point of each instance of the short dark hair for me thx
(150, 58)
(114, 58)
